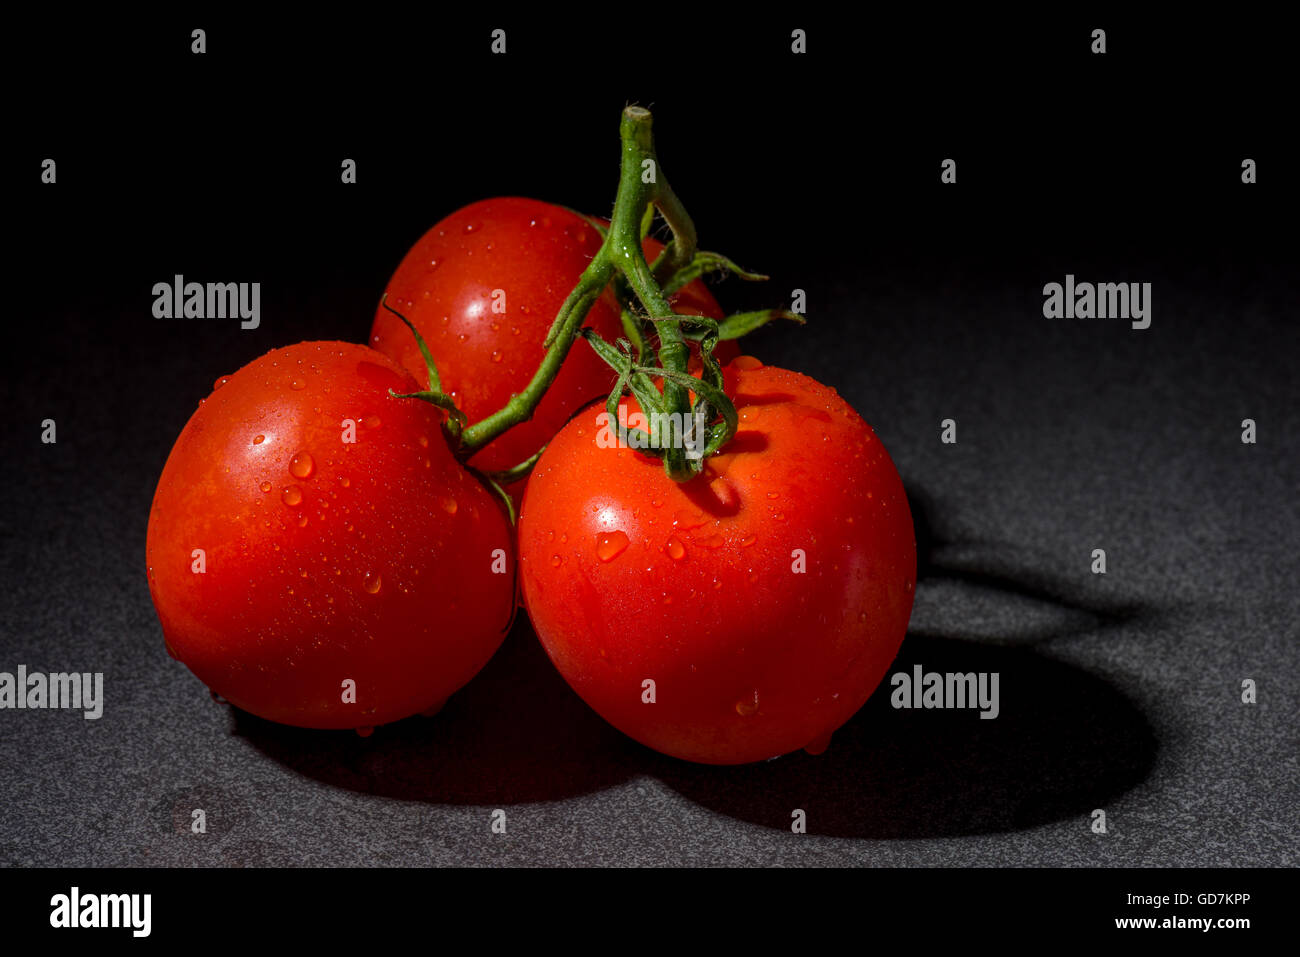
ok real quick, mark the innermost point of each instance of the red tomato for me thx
(309, 530)
(765, 598)
(483, 287)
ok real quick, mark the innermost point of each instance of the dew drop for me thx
(345, 481)
(555, 561)
(496, 355)
(297, 384)
(265, 486)
(773, 494)
(675, 549)
(372, 582)
(259, 439)
(220, 382)
(748, 706)
(424, 441)
(302, 521)
(371, 422)
(610, 545)
(292, 496)
(818, 744)
(449, 506)
(302, 465)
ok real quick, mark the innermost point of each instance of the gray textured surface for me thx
(1118, 692)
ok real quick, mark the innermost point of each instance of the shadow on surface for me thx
(515, 734)
(1065, 741)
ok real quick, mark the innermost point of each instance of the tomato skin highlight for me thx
(325, 560)
(629, 576)
(521, 256)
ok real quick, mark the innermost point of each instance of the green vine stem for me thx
(643, 292)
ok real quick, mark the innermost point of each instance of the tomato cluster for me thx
(323, 554)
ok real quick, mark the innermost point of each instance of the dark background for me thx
(1119, 692)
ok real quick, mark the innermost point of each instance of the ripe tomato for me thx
(765, 598)
(482, 287)
(308, 529)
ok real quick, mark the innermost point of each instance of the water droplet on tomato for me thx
(449, 505)
(818, 744)
(265, 486)
(556, 560)
(470, 227)
(344, 481)
(297, 384)
(424, 441)
(292, 496)
(689, 518)
(372, 582)
(302, 521)
(365, 731)
(610, 545)
(746, 707)
(675, 549)
(259, 439)
(302, 465)
(220, 382)
(371, 422)
(747, 362)
(746, 542)
(496, 355)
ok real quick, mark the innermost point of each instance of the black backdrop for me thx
(1119, 693)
